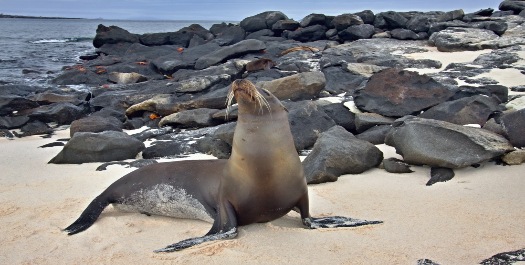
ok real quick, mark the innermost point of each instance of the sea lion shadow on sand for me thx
(261, 181)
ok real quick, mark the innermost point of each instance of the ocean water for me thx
(33, 51)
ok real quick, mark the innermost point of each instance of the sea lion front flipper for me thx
(335, 221)
(198, 240)
(223, 228)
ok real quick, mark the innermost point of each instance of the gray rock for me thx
(296, 87)
(442, 144)
(307, 121)
(34, 128)
(342, 22)
(340, 115)
(313, 19)
(95, 124)
(263, 20)
(7, 122)
(356, 32)
(112, 35)
(394, 165)
(512, 5)
(469, 110)
(404, 34)
(12, 103)
(310, 33)
(367, 16)
(126, 78)
(365, 121)
(461, 39)
(337, 152)
(339, 80)
(390, 20)
(61, 113)
(419, 24)
(396, 93)
(514, 126)
(375, 135)
(230, 35)
(195, 118)
(222, 54)
(287, 24)
(163, 149)
(86, 147)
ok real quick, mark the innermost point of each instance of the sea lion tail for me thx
(88, 216)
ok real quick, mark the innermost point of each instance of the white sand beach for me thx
(475, 215)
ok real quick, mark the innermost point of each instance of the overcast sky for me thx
(228, 10)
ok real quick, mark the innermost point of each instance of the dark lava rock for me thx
(419, 23)
(404, 34)
(394, 165)
(7, 122)
(342, 22)
(356, 32)
(396, 93)
(95, 124)
(341, 115)
(310, 33)
(499, 92)
(470, 110)
(512, 5)
(195, 118)
(112, 35)
(313, 19)
(514, 127)
(307, 121)
(220, 55)
(365, 121)
(375, 135)
(163, 149)
(11, 103)
(339, 80)
(86, 147)
(390, 20)
(337, 152)
(442, 144)
(61, 113)
(230, 35)
(34, 128)
(367, 16)
(263, 20)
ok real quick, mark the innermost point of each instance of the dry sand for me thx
(475, 215)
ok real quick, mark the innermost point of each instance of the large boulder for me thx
(307, 121)
(264, 20)
(86, 147)
(514, 126)
(310, 33)
(112, 35)
(469, 110)
(61, 113)
(461, 39)
(344, 21)
(296, 87)
(356, 32)
(443, 144)
(222, 54)
(12, 103)
(515, 6)
(195, 118)
(95, 123)
(337, 152)
(396, 93)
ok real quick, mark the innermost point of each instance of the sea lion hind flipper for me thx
(335, 221)
(88, 216)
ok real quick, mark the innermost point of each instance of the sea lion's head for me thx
(252, 100)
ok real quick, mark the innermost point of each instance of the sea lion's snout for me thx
(245, 92)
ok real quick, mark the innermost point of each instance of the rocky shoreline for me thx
(343, 79)
(175, 83)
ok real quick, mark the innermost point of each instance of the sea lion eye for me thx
(266, 92)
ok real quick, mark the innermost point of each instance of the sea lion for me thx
(261, 181)
(260, 64)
